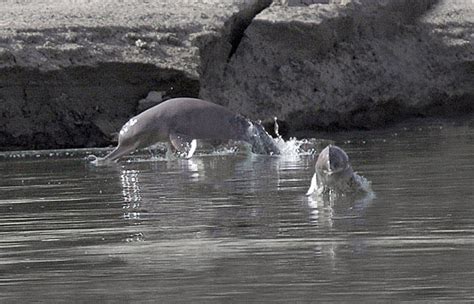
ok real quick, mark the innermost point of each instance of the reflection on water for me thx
(326, 208)
(228, 226)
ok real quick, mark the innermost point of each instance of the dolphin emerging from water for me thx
(180, 121)
(333, 171)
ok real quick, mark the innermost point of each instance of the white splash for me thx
(296, 147)
(364, 184)
(288, 148)
(226, 150)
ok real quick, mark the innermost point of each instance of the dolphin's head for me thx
(332, 160)
(333, 167)
(337, 160)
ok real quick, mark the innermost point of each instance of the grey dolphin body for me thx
(181, 121)
(333, 171)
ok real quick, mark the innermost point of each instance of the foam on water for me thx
(363, 183)
(297, 147)
(292, 147)
(225, 150)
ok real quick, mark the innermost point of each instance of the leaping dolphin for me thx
(181, 121)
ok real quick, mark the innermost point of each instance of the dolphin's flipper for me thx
(184, 144)
(313, 186)
(192, 149)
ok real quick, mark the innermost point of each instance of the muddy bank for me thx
(78, 106)
(72, 73)
(362, 64)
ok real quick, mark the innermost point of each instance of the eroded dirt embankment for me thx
(363, 64)
(71, 75)
(78, 106)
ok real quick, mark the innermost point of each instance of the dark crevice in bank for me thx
(218, 48)
(240, 23)
(81, 106)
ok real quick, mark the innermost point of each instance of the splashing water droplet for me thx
(298, 147)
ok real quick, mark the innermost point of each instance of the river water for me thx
(233, 227)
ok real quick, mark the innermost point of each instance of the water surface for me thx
(232, 227)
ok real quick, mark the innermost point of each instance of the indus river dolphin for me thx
(333, 171)
(181, 121)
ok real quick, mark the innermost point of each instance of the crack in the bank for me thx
(239, 27)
